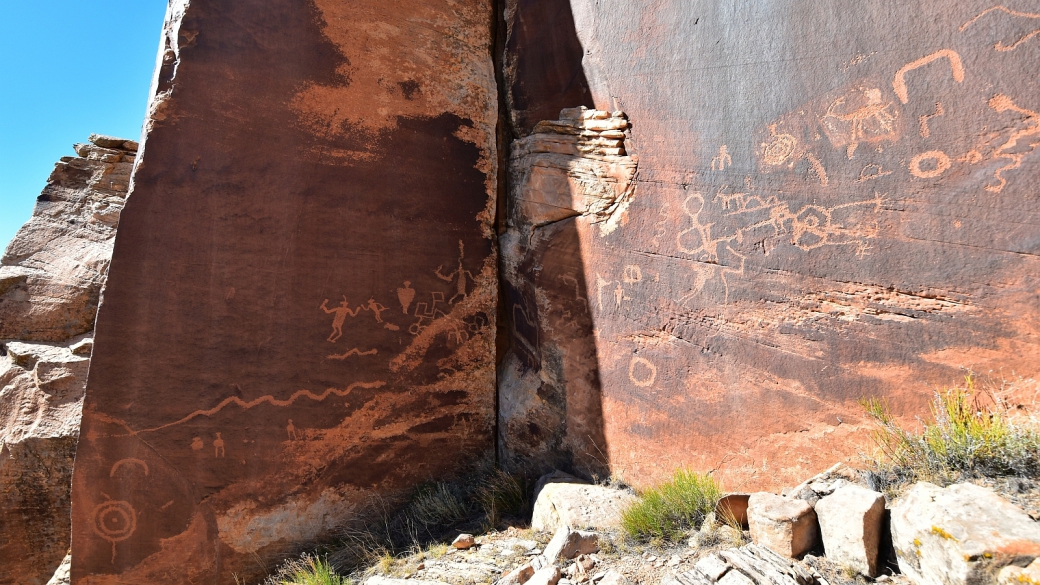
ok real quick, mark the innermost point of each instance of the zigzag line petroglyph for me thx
(999, 45)
(265, 400)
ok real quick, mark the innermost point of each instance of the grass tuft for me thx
(310, 570)
(966, 439)
(501, 494)
(669, 511)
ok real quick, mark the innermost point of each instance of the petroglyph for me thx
(129, 461)
(999, 45)
(722, 159)
(114, 521)
(340, 313)
(632, 274)
(600, 283)
(939, 165)
(218, 446)
(957, 67)
(859, 116)
(244, 405)
(817, 167)
(351, 352)
(619, 296)
(197, 444)
(643, 376)
(1003, 103)
(923, 120)
(571, 280)
(406, 295)
(458, 276)
(427, 313)
(779, 148)
(872, 171)
(290, 429)
(660, 229)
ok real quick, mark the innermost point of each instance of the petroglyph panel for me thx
(833, 201)
(301, 310)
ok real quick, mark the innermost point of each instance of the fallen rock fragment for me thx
(750, 564)
(463, 541)
(959, 535)
(850, 526)
(578, 506)
(546, 576)
(568, 543)
(787, 526)
(518, 576)
(614, 578)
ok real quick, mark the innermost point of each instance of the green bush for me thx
(673, 508)
(966, 439)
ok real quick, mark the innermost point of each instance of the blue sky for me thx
(68, 68)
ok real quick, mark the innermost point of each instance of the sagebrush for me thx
(969, 436)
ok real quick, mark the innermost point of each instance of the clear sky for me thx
(68, 68)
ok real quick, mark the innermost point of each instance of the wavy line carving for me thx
(265, 399)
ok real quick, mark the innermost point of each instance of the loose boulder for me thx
(568, 543)
(850, 526)
(784, 525)
(960, 534)
(578, 506)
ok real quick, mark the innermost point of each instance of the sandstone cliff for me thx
(51, 277)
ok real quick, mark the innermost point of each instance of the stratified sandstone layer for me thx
(832, 201)
(301, 309)
(50, 281)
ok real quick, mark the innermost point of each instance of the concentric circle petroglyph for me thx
(779, 148)
(115, 521)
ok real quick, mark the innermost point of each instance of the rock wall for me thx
(51, 276)
(300, 316)
(832, 201)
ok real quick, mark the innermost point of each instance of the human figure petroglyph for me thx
(218, 446)
(999, 45)
(290, 429)
(341, 313)
(956, 66)
(1003, 103)
(923, 120)
(406, 295)
(197, 444)
(619, 296)
(377, 309)
(721, 160)
(600, 283)
(859, 116)
(459, 276)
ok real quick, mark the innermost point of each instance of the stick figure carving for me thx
(218, 446)
(341, 313)
(459, 276)
(722, 160)
(291, 430)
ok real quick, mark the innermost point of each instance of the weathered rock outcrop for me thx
(300, 313)
(51, 276)
(807, 227)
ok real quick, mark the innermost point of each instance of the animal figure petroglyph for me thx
(859, 116)
(999, 45)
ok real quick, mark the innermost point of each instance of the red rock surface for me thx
(833, 201)
(300, 313)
